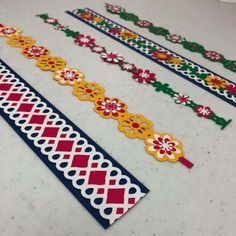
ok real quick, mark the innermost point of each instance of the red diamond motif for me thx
(25, 107)
(37, 119)
(82, 172)
(100, 191)
(50, 132)
(80, 161)
(66, 156)
(51, 142)
(97, 177)
(64, 146)
(14, 97)
(119, 210)
(95, 165)
(112, 182)
(5, 87)
(115, 195)
(131, 200)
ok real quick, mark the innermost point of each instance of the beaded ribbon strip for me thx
(173, 38)
(198, 75)
(103, 186)
(162, 146)
(140, 75)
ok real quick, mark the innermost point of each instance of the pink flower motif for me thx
(203, 111)
(97, 49)
(6, 31)
(112, 57)
(144, 76)
(51, 21)
(115, 31)
(175, 38)
(143, 23)
(127, 66)
(213, 56)
(181, 99)
(231, 89)
(61, 27)
(114, 8)
(83, 40)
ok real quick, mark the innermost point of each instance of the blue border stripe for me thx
(68, 183)
(152, 59)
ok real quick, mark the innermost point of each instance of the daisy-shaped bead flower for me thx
(83, 40)
(110, 107)
(213, 56)
(215, 81)
(35, 52)
(127, 66)
(175, 38)
(97, 49)
(87, 15)
(203, 111)
(111, 57)
(164, 147)
(19, 41)
(60, 27)
(126, 34)
(143, 76)
(49, 63)
(6, 31)
(114, 9)
(86, 91)
(181, 99)
(51, 21)
(143, 23)
(68, 76)
(135, 126)
(115, 31)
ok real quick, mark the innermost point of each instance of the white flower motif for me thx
(111, 57)
(181, 98)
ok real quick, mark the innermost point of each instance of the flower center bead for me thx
(88, 90)
(135, 125)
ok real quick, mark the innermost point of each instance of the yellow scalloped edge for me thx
(162, 146)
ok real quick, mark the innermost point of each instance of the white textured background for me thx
(181, 202)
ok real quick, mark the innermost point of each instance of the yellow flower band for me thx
(162, 146)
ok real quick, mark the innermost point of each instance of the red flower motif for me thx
(231, 88)
(127, 66)
(110, 107)
(143, 23)
(61, 27)
(143, 76)
(87, 16)
(1, 25)
(203, 111)
(51, 21)
(161, 55)
(97, 49)
(83, 40)
(115, 31)
(213, 56)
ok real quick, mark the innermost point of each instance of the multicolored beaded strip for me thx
(173, 38)
(138, 74)
(102, 185)
(198, 75)
(162, 146)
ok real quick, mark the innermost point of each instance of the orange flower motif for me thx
(51, 63)
(164, 147)
(35, 52)
(6, 31)
(87, 15)
(110, 107)
(98, 19)
(128, 34)
(215, 81)
(135, 126)
(68, 76)
(161, 55)
(19, 41)
(86, 91)
(175, 60)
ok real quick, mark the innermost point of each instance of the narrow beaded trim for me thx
(138, 74)
(101, 185)
(173, 38)
(198, 75)
(162, 146)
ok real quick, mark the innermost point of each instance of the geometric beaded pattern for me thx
(144, 50)
(105, 188)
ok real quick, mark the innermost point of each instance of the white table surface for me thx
(181, 202)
